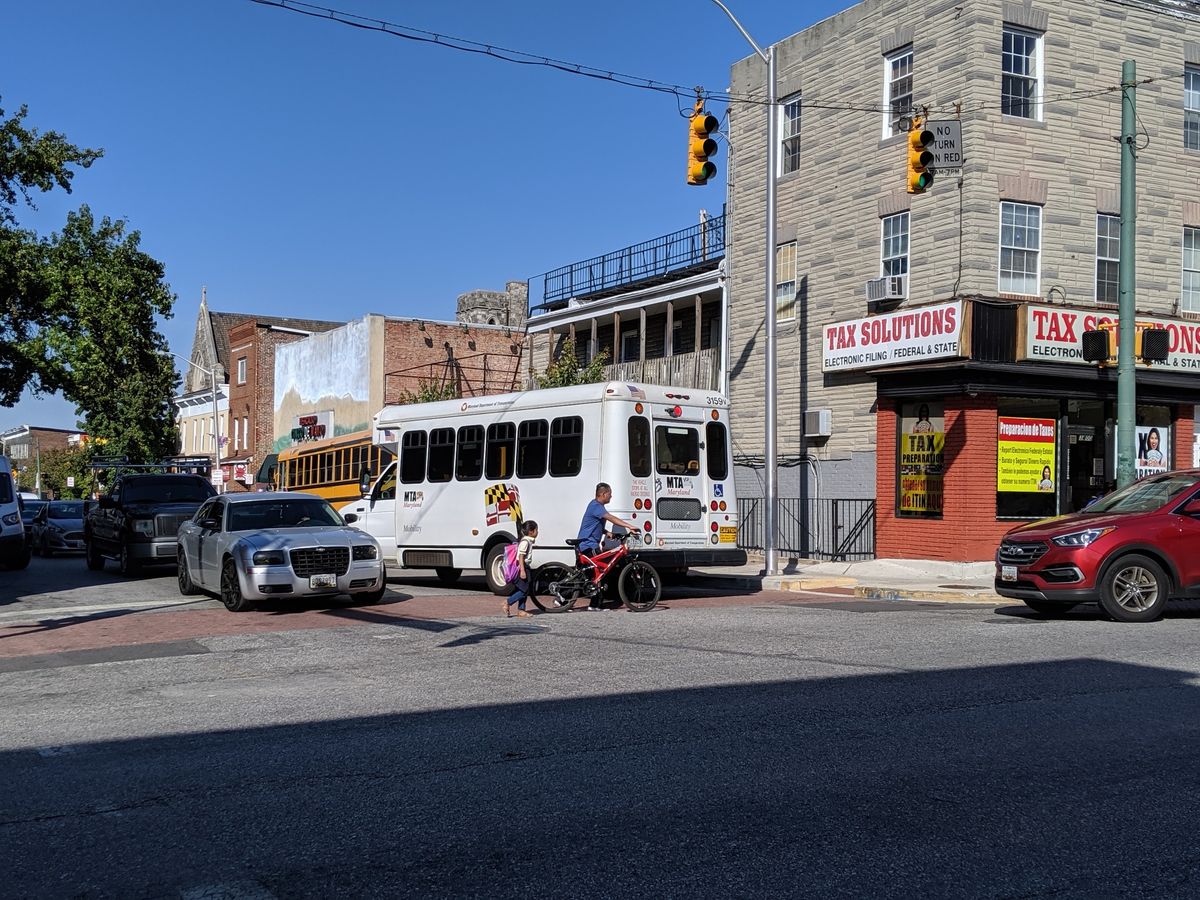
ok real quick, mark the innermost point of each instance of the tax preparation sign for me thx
(1055, 334)
(911, 335)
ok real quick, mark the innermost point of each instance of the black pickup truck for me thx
(137, 521)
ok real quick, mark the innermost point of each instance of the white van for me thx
(466, 471)
(14, 553)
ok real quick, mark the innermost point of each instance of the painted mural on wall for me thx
(326, 374)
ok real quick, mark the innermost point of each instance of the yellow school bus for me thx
(332, 468)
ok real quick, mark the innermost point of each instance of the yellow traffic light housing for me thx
(920, 157)
(701, 146)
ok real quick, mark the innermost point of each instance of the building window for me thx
(1191, 270)
(785, 281)
(1020, 248)
(1191, 108)
(246, 432)
(1021, 88)
(894, 247)
(235, 444)
(789, 135)
(897, 90)
(631, 346)
(1108, 255)
(241, 371)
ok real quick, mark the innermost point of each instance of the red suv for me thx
(1130, 552)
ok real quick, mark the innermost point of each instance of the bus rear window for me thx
(716, 446)
(532, 437)
(501, 450)
(412, 457)
(441, 454)
(639, 447)
(566, 446)
(677, 450)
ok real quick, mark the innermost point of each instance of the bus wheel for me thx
(493, 572)
(447, 575)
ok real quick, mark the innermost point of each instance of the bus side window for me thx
(532, 438)
(470, 453)
(566, 446)
(501, 450)
(716, 445)
(639, 447)
(385, 489)
(441, 454)
(412, 457)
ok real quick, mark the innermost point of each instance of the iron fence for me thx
(834, 529)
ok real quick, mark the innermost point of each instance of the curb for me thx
(982, 596)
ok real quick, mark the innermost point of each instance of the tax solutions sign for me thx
(911, 335)
(1055, 334)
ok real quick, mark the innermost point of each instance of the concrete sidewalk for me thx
(876, 579)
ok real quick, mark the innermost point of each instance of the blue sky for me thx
(299, 167)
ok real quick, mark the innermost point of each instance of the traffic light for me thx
(1100, 346)
(701, 146)
(920, 157)
(1153, 345)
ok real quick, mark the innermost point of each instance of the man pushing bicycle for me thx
(591, 530)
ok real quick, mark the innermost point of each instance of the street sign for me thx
(947, 147)
(217, 477)
(70, 481)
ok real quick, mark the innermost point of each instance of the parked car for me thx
(1130, 552)
(29, 511)
(137, 522)
(58, 528)
(247, 546)
(14, 549)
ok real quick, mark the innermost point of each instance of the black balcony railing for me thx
(831, 528)
(693, 249)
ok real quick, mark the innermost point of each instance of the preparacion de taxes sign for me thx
(1055, 334)
(911, 335)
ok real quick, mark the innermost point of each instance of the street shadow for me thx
(23, 629)
(1011, 780)
(1091, 612)
(478, 634)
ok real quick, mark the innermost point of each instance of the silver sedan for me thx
(248, 546)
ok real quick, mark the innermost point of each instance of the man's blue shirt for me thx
(591, 529)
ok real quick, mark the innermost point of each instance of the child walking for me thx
(529, 531)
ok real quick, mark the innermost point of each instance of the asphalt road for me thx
(771, 745)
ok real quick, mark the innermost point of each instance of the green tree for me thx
(78, 309)
(565, 369)
(429, 391)
(59, 465)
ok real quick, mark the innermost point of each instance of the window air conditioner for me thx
(818, 423)
(889, 287)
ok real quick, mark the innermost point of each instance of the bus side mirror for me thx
(364, 483)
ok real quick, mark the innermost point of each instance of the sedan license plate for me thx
(320, 581)
(1008, 573)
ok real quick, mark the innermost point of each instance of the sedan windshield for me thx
(66, 509)
(299, 513)
(1145, 495)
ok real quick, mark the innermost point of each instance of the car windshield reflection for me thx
(1145, 495)
(66, 509)
(299, 513)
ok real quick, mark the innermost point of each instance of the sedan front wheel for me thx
(231, 589)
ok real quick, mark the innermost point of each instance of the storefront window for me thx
(922, 443)
(1027, 459)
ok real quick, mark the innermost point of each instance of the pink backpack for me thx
(512, 568)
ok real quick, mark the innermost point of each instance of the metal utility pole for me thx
(770, 400)
(1127, 302)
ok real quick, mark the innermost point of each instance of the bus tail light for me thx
(723, 507)
(646, 525)
(713, 506)
(646, 505)
(637, 503)
(713, 527)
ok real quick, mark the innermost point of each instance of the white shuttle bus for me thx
(467, 471)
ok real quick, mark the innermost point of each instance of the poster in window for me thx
(922, 459)
(1152, 453)
(1025, 455)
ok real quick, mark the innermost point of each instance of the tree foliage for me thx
(429, 391)
(565, 369)
(59, 465)
(78, 309)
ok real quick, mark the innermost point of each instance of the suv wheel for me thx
(1134, 589)
(127, 565)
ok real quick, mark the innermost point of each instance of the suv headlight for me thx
(144, 526)
(1082, 538)
(365, 551)
(269, 558)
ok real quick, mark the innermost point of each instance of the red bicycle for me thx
(557, 588)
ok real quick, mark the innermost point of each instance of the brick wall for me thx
(412, 355)
(968, 529)
(1182, 434)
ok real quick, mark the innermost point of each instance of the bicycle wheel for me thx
(551, 589)
(639, 586)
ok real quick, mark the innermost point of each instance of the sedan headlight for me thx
(1082, 538)
(54, 529)
(269, 558)
(365, 551)
(144, 526)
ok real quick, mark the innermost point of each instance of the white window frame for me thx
(785, 288)
(241, 370)
(1190, 287)
(1036, 63)
(236, 435)
(1101, 241)
(890, 116)
(246, 432)
(637, 347)
(790, 110)
(1191, 108)
(1020, 247)
(902, 220)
